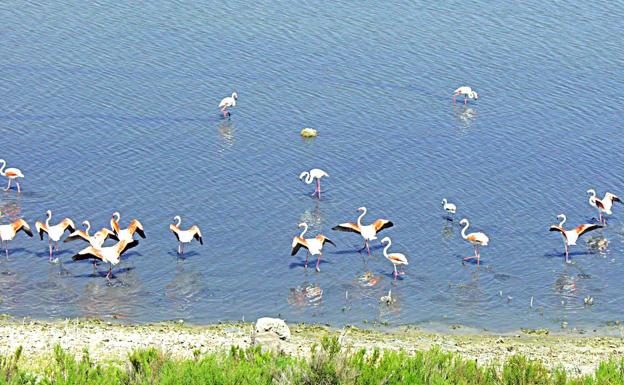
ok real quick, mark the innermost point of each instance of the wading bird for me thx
(571, 236)
(313, 246)
(477, 239)
(126, 234)
(185, 236)
(449, 207)
(95, 240)
(368, 232)
(315, 173)
(228, 102)
(54, 232)
(395, 258)
(603, 205)
(110, 254)
(11, 173)
(8, 232)
(467, 92)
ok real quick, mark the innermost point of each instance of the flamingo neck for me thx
(359, 220)
(385, 250)
(444, 201)
(88, 224)
(48, 217)
(463, 232)
(563, 219)
(307, 176)
(178, 220)
(305, 228)
(3, 166)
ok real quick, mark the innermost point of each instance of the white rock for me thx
(274, 325)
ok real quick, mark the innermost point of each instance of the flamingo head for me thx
(49, 213)
(303, 175)
(302, 224)
(177, 218)
(591, 191)
(86, 223)
(234, 95)
(361, 208)
(474, 95)
(463, 221)
(116, 216)
(385, 240)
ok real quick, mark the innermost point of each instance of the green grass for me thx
(329, 364)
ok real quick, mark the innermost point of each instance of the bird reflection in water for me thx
(465, 115)
(313, 217)
(599, 243)
(305, 295)
(10, 209)
(227, 129)
(368, 279)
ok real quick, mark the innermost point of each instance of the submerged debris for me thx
(308, 133)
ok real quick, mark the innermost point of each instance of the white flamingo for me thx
(8, 232)
(467, 92)
(185, 236)
(309, 176)
(11, 173)
(603, 205)
(449, 207)
(395, 258)
(368, 232)
(313, 246)
(228, 102)
(110, 254)
(571, 236)
(477, 239)
(54, 232)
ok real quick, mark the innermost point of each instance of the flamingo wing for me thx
(174, 229)
(582, 229)
(348, 227)
(197, 234)
(297, 244)
(41, 228)
(21, 225)
(381, 224)
(124, 246)
(137, 227)
(88, 253)
(559, 229)
(78, 234)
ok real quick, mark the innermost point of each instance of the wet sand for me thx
(108, 342)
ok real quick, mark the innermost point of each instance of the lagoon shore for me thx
(111, 342)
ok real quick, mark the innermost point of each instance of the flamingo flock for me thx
(125, 239)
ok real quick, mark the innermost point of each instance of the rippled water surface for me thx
(109, 106)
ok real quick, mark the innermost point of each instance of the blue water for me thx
(111, 106)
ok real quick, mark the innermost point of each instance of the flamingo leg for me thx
(110, 273)
(478, 255)
(318, 188)
(50, 246)
(396, 274)
(318, 262)
(454, 96)
(567, 254)
(182, 247)
(6, 245)
(56, 246)
(367, 247)
(465, 100)
(307, 257)
(19, 190)
(8, 186)
(472, 256)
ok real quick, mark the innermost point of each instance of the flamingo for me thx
(11, 173)
(228, 102)
(54, 232)
(309, 176)
(185, 236)
(477, 239)
(449, 207)
(571, 236)
(8, 232)
(128, 233)
(603, 205)
(110, 254)
(96, 240)
(313, 246)
(395, 258)
(467, 92)
(368, 232)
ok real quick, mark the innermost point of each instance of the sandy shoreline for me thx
(112, 342)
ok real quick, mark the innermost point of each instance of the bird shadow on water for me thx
(557, 254)
(103, 273)
(355, 250)
(55, 254)
(184, 256)
(311, 263)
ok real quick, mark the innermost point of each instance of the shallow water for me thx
(111, 107)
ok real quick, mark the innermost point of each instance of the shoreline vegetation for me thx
(313, 354)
